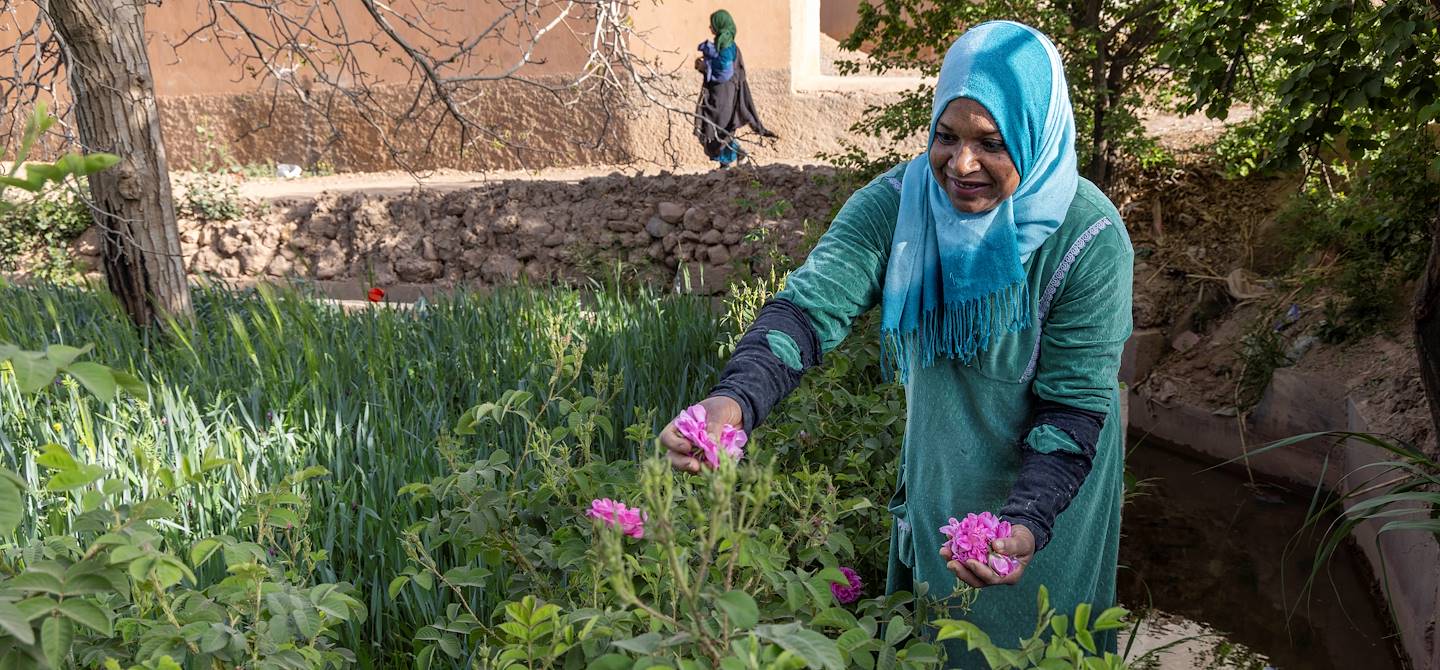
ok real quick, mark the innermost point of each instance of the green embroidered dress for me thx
(965, 423)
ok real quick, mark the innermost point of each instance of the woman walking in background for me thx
(725, 104)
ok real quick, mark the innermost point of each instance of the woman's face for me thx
(969, 158)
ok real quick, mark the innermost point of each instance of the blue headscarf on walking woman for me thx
(955, 279)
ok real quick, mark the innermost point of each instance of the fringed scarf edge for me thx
(956, 330)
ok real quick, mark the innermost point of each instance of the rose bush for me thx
(735, 567)
(554, 557)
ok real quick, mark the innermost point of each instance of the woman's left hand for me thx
(1020, 546)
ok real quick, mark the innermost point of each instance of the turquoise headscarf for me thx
(955, 279)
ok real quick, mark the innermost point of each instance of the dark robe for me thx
(725, 107)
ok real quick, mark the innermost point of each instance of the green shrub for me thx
(212, 197)
(41, 223)
(1375, 219)
(41, 232)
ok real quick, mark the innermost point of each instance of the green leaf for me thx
(14, 622)
(55, 457)
(80, 477)
(36, 581)
(33, 373)
(63, 355)
(853, 638)
(88, 614)
(11, 502)
(468, 576)
(886, 659)
(95, 377)
(1082, 616)
(640, 644)
(307, 621)
(450, 645)
(92, 163)
(214, 639)
(1111, 619)
(740, 608)
(396, 584)
(815, 649)
(963, 630)
(35, 607)
(611, 662)
(130, 383)
(896, 631)
(917, 652)
(56, 636)
(202, 551)
(835, 617)
(15, 182)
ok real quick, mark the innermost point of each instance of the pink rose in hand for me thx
(970, 540)
(732, 441)
(692, 423)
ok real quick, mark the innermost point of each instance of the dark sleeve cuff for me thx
(1049, 481)
(755, 377)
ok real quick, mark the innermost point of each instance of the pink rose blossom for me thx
(851, 591)
(1003, 565)
(630, 520)
(692, 425)
(970, 540)
(733, 440)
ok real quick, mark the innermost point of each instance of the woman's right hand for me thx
(719, 410)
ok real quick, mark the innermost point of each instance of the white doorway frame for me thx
(805, 74)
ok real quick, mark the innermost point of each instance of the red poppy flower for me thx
(376, 294)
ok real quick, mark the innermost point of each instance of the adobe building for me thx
(219, 109)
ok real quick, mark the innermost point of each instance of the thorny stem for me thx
(170, 613)
(625, 591)
(525, 564)
(429, 563)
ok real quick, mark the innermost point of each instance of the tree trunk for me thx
(1427, 327)
(1096, 170)
(115, 111)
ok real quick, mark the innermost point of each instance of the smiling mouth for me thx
(968, 187)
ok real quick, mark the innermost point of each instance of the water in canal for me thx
(1210, 553)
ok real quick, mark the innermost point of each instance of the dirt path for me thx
(397, 182)
(1176, 132)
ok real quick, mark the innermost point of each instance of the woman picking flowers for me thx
(1003, 280)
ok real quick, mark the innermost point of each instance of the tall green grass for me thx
(278, 381)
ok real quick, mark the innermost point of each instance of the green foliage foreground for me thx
(300, 487)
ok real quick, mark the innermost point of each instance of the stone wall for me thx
(714, 224)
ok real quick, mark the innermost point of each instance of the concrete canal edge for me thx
(1406, 564)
